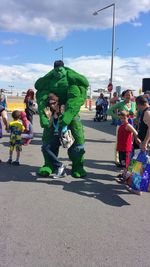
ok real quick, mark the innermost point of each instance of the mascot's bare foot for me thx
(78, 173)
(45, 171)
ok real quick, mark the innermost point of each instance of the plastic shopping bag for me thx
(67, 139)
(139, 173)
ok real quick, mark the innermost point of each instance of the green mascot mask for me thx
(59, 72)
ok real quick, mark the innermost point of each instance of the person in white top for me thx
(3, 112)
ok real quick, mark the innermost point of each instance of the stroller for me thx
(99, 116)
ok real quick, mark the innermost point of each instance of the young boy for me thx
(124, 141)
(16, 128)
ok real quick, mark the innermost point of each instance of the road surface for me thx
(92, 222)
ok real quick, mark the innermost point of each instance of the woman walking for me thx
(29, 102)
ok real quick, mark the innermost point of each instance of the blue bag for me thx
(140, 173)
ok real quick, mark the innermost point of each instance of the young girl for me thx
(27, 135)
(124, 142)
(29, 102)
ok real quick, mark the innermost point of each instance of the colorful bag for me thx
(145, 182)
(139, 170)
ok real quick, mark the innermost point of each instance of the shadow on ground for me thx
(107, 193)
(103, 126)
(104, 141)
(95, 186)
(92, 186)
(95, 164)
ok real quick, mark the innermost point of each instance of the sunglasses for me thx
(52, 103)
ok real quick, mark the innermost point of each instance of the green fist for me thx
(44, 122)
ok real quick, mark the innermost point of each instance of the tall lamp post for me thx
(62, 51)
(11, 86)
(110, 85)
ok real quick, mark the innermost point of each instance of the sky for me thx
(33, 34)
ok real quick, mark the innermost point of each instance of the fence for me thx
(15, 106)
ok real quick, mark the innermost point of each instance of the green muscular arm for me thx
(133, 109)
(121, 106)
(75, 78)
(41, 97)
(76, 96)
(41, 101)
(74, 102)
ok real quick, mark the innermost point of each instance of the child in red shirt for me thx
(124, 141)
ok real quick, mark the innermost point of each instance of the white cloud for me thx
(54, 19)
(128, 72)
(8, 58)
(136, 24)
(148, 44)
(9, 42)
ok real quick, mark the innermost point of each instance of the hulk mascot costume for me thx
(71, 88)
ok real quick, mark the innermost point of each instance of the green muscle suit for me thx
(71, 88)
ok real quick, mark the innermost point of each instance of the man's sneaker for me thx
(16, 163)
(9, 161)
(60, 172)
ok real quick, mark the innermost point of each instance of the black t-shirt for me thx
(142, 130)
(142, 126)
(1, 109)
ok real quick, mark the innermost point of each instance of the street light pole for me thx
(11, 86)
(62, 52)
(113, 45)
(113, 40)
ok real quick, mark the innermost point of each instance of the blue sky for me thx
(31, 31)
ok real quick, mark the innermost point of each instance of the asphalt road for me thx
(92, 222)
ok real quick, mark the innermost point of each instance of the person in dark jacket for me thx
(144, 122)
(29, 102)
